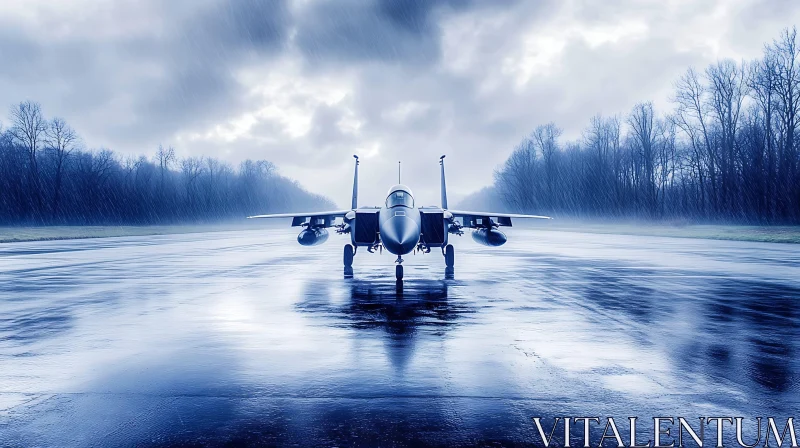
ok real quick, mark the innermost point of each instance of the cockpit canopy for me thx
(400, 195)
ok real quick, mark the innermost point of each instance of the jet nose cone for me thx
(400, 235)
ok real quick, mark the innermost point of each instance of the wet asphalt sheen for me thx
(247, 338)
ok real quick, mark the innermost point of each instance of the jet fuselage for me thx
(399, 221)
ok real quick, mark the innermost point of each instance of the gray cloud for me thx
(388, 30)
(150, 82)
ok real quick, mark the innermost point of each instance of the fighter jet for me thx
(399, 226)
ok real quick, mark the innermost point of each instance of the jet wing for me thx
(496, 215)
(475, 219)
(321, 219)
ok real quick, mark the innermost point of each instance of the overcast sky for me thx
(307, 83)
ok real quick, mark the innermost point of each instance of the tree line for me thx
(727, 151)
(48, 177)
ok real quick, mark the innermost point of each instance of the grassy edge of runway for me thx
(767, 234)
(52, 233)
(762, 234)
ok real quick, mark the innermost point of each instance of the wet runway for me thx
(248, 338)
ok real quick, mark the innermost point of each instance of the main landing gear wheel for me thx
(449, 256)
(398, 271)
(348, 260)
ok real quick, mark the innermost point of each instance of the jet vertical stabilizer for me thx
(444, 185)
(354, 204)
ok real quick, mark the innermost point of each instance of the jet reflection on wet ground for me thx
(398, 312)
(243, 338)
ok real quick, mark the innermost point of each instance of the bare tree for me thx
(666, 160)
(644, 133)
(602, 139)
(691, 117)
(728, 87)
(763, 85)
(212, 169)
(517, 177)
(28, 128)
(165, 158)
(61, 139)
(192, 168)
(786, 53)
(546, 136)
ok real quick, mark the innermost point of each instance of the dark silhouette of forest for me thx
(48, 177)
(728, 151)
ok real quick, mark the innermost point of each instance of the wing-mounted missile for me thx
(453, 226)
(347, 221)
(455, 229)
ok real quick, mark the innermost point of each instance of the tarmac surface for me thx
(246, 338)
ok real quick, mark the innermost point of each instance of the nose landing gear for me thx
(398, 270)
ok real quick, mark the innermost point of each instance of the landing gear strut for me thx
(398, 270)
(348, 260)
(449, 261)
(449, 256)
